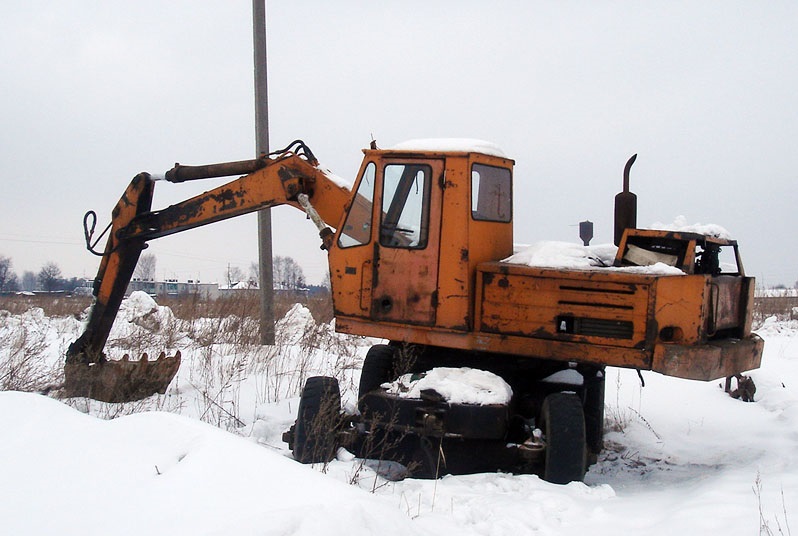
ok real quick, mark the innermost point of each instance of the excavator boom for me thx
(277, 179)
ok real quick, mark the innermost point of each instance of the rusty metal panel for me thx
(499, 346)
(725, 301)
(405, 290)
(717, 359)
(351, 272)
(405, 285)
(748, 309)
(366, 281)
(456, 281)
(680, 306)
(591, 307)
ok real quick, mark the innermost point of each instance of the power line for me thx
(41, 241)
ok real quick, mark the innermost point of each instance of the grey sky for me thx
(95, 91)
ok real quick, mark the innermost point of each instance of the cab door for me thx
(407, 246)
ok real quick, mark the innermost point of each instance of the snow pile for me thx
(680, 456)
(141, 310)
(680, 225)
(456, 386)
(32, 319)
(659, 268)
(138, 304)
(773, 326)
(158, 473)
(776, 292)
(296, 322)
(551, 254)
(566, 376)
(570, 256)
(32, 348)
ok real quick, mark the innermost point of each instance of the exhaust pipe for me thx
(625, 205)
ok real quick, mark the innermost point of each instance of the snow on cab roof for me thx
(461, 145)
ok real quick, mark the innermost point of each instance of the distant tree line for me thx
(288, 274)
(48, 279)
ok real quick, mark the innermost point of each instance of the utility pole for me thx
(266, 282)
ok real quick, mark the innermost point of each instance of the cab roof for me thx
(448, 146)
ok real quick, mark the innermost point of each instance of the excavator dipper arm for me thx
(272, 180)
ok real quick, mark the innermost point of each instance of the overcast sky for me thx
(705, 92)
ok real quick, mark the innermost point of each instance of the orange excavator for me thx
(416, 254)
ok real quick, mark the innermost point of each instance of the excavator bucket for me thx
(87, 372)
(120, 381)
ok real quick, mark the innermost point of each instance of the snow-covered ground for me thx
(206, 458)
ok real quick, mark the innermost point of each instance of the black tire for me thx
(594, 412)
(563, 423)
(318, 421)
(377, 368)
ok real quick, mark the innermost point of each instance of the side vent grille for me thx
(595, 327)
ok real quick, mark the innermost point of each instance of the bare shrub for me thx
(304, 348)
(764, 523)
(22, 363)
(216, 376)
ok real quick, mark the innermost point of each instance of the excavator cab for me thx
(420, 221)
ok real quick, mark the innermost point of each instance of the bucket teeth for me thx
(121, 381)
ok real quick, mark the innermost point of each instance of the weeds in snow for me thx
(618, 418)
(764, 523)
(226, 373)
(22, 348)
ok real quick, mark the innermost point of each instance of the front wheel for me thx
(318, 420)
(594, 412)
(563, 422)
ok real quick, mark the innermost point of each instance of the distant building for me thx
(174, 288)
(210, 291)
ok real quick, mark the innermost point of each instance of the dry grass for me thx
(247, 304)
(779, 306)
(52, 304)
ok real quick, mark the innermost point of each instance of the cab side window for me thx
(491, 193)
(357, 227)
(405, 206)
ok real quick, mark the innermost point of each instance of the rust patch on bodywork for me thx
(710, 361)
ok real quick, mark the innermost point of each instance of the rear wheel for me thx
(318, 420)
(563, 423)
(377, 368)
